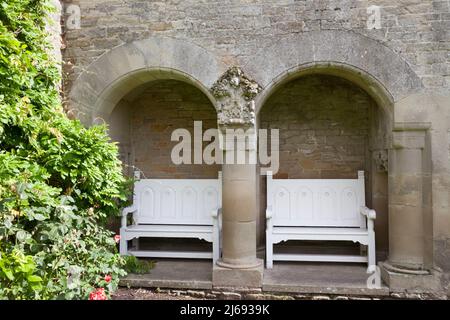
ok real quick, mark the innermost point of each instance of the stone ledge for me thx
(300, 289)
(245, 294)
(133, 282)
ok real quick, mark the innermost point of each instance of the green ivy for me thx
(59, 181)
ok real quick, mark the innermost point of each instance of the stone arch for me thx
(367, 62)
(126, 67)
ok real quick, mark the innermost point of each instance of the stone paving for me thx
(168, 294)
(191, 279)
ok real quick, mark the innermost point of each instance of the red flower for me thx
(117, 238)
(108, 278)
(98, 294)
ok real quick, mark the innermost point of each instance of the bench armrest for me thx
(216, 213)
(125, 212)
(269, 212)
(369, 213)
(217, 218)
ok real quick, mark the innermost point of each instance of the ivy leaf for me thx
(21, 235)
(8, 274)
(34, 278)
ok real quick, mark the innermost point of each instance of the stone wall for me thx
(234, 30)
(147, 122)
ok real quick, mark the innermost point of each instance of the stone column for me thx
(239, 203)
(409, 209)
(238, 266)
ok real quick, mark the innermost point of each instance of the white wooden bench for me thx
(174, 208)
(319, 209)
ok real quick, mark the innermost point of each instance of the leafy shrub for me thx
(59, 181)
(135, 265)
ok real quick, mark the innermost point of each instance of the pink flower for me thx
(108, 278)
(98, 294)
(117, 238)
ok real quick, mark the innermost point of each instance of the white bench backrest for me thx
(316, 202)
(177, 201)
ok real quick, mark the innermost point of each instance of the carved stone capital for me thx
(412, 139)
(235, 93)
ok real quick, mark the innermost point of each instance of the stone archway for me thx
(329, 128)
(97, 90)
(145, 90)
(374, 66)
(388, 79)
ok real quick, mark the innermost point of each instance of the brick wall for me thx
(324, 127)
(163, 107)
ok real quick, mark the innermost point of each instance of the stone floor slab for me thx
(285, 277)
(174, 273)
(316, 278)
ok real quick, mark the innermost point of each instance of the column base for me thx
(402, 280)
(238, 278)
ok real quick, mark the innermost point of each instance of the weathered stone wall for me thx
(147, 122)
(418, 30)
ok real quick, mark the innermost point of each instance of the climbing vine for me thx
(59, 181)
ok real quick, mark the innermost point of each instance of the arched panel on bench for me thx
(305, 205)
(168, 211)
(189, 203)
(349, 210)
(282, 204)
(147, 199)
(327, 206)
(210, 202)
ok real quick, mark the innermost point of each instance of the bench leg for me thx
(269, 251)
(371, 254)
(123, 245)
(216, 242)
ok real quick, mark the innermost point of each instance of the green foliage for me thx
(134, 265)
(59, 181)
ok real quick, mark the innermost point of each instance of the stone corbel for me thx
(235, 94)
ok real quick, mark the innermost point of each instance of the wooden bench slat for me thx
(319, 257)
(320, 231)
(171, 254)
